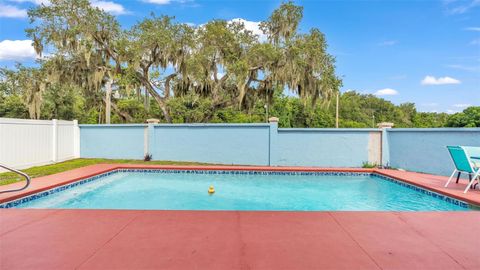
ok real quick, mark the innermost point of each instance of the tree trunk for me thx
(100, 115)
(159, 99)
(139, 93)
(124, 115)
(164, 109)
(167, 84)
(146, 101)
(108, 100)
(161, 102)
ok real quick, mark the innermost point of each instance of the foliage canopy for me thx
(215, 72)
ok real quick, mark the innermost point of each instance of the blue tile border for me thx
(41, 194)
(245, 172)
(427, 192)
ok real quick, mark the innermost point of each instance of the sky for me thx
(426, 52)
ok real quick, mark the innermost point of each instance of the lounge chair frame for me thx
(473, 173)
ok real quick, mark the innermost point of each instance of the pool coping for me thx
(425, 181)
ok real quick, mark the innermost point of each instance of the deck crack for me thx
(30, 222)
(243, 264)
(357, 243)
(109, 240)
(428, 240)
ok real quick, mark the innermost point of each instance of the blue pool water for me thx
(188, 191)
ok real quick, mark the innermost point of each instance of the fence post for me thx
(149, 143)
(76, 139)
(146, 140)
(54, 140)
(272, 155)
(151, 139)
(385, 152)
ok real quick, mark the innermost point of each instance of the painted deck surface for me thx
(125, 239)
(106, 239)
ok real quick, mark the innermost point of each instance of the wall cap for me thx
(434, 130)
(273, 119)
(385, 125)
(199, 125)
(153, 121)
(329, 130)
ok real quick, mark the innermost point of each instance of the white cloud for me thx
(475, 42)
(252, 26)
(460, 7)
(388, 43)
(477, 29)
(158, 2)
(107, 6)
(16, 50)
(465, 68)
(461, 105)
(7, 11)
(386, 92)
(36, 2)
(452, 111)
(431, 80)
(110, 7)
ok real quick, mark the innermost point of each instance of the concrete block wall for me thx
(424, 150)
(241, 144)
(421, 150)
(328, 147)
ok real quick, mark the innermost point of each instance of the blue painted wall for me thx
(246, 144)
(421, 150)
(112, 141)
(424, 150)
(323, 147)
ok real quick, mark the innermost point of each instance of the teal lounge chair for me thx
(463, 164)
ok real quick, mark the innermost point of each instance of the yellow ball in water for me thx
(211, 190)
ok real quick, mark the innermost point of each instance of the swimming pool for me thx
(240, 190)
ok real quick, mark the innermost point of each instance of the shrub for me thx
(368, 165)
(147, 157)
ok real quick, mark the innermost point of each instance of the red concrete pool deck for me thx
(431, 182)
(125, 239)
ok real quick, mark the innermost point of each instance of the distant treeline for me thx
(356, 110)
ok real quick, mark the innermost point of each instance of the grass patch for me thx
(8, 177)
(368, 165)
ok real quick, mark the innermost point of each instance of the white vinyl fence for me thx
(26, 143)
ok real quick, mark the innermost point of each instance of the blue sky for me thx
(426, 52)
